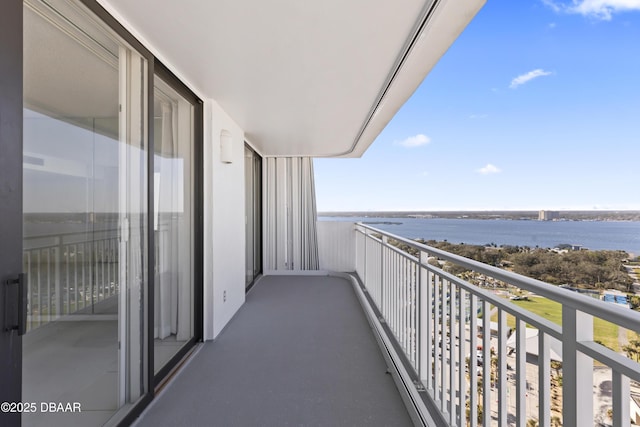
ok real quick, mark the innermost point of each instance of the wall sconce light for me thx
(226, 146)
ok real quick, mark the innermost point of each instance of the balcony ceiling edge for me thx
(441, 29)
(319, 79)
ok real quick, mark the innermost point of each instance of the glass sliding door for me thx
(85, 215)
(253, 214)
(174, 221)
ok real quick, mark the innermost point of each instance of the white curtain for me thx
(173, 230)
(290, 214)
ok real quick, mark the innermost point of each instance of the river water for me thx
(596, 235)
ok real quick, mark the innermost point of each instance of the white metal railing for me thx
(69, 273)
(443, 324)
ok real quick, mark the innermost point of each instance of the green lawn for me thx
(603, 331)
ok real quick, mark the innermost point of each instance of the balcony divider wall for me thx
(291, 238)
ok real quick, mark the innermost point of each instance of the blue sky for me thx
(535, 106)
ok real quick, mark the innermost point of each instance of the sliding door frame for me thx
(155, 67)
(11, 75)
(256, 217)
(11, 208)
(147, 306)
(169, 78)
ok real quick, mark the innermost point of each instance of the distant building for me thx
(548, 215)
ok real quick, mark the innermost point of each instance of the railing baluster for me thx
(393, 298)
(452, 354)
(84, 275)
(364, 263)
(437, 359)
(398, 298)
(413, 314)
(75, 276)
(443, 342)
(621, 399)
(108, 261)
(393, 283)
(521, 372)
(402, 267)
(102, 272)
(93, 273)
(67, 296)
(385, 290)
(381, 282)
(422, 322)
(502, 368)
(428, 289)
(40, 296)
(462, 345)
(544, 381)
(473, 361)
(402, 298)
(486, 364)
(405, 298)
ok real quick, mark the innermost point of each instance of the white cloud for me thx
(414, 141)
(552, 25)
(523, 78)
(599, 9)
(488, 169)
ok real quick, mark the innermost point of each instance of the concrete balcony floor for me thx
(300, 352)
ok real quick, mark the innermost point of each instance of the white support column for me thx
(424, 314)
(521, 373)
(544, 381)
(462, 346)
(502, 368)
(486, 362)
(577, 369)
(473, 361)
(452, 353)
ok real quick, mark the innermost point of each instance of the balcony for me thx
(299, 351)
(394, 341)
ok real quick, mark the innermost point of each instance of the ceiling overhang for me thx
(317, 79)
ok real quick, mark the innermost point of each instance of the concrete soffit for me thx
(295, 84)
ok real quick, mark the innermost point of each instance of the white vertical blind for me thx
(291, 241)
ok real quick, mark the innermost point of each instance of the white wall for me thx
(336, 246)
(224, 227)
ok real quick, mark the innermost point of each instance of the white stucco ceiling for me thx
(300, 77)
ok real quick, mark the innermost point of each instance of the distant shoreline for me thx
(612, 215)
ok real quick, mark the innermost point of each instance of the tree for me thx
(633, 349)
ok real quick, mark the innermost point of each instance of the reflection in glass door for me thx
(173, 222)
(85, 215)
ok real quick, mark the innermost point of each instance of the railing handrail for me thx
(627, 318)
